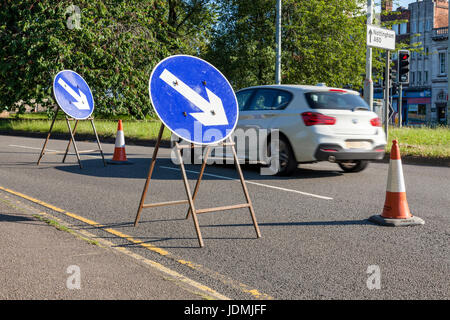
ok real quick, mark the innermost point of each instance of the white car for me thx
(315, 123)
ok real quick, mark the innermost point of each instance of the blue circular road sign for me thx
(73, 94)
(193, 99)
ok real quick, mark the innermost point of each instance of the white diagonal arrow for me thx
(81, 103)
(212, 113)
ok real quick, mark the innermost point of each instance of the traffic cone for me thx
(396, 210)
(120, 156)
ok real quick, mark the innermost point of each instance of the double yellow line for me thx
(215, 295)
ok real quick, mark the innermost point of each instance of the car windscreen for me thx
(335, 100)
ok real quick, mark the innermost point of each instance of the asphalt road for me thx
(316, 240)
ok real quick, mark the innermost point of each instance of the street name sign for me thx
(380, 38)
(73, 94)
(193, 99)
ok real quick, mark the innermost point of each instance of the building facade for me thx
(428, 65)
(426, 34)
(439, 80)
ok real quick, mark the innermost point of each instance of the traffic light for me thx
(403, 66)
(393, 74)
(394, 89)
(383, 78)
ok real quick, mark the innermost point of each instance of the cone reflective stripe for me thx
(396, 205)
(396, 210)
(120, 155)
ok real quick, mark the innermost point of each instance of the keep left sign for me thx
(73, 94)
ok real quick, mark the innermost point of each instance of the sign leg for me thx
(197, 185)
(70, 141)
(98, 142)
(149, 176)
(244, 187)
(48, 137)
(188, 193)
(74, 143)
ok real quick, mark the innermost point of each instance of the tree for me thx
(114, 45)
(242, 46)
(322, 41)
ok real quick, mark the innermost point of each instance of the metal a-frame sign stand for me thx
(192, 211)
(188, 93)
(75, 98)
(72, 139)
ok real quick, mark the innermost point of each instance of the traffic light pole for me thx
(403, 78)
(386, 94)
(399, 106)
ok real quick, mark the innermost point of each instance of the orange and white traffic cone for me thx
(120, 156)
(396, 210)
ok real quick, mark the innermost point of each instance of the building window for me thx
(422, 110)
(419, 77)
(425, 77)
(413, 77)
(395, 28)
(417, 113)
(442, 63)
(428, 25)
(403, 28)
(413, 27)
(420, 26)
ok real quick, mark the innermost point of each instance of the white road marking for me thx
(49, 150)
(256, 183)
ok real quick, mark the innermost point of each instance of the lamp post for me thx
(368, 83)
(278, 40)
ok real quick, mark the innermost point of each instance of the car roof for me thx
(300, 88)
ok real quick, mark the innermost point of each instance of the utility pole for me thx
(448, 77)
(386, 94)
(278, 40)
(368, 83)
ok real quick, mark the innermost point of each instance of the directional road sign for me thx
(380, 38)
(193, 99)
(73, 94)
(391, 111)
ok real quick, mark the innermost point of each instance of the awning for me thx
(419, 100)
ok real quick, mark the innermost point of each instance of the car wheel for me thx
(287, 161)
(353, 166)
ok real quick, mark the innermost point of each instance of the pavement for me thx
(317, 242)
(41, 261)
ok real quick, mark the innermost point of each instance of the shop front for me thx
(416, 106)
(417, 111)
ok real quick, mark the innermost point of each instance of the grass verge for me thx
(138, 130)
(422, 141)
(60, 227)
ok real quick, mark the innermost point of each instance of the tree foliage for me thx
(322, 41)
(114, 45)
